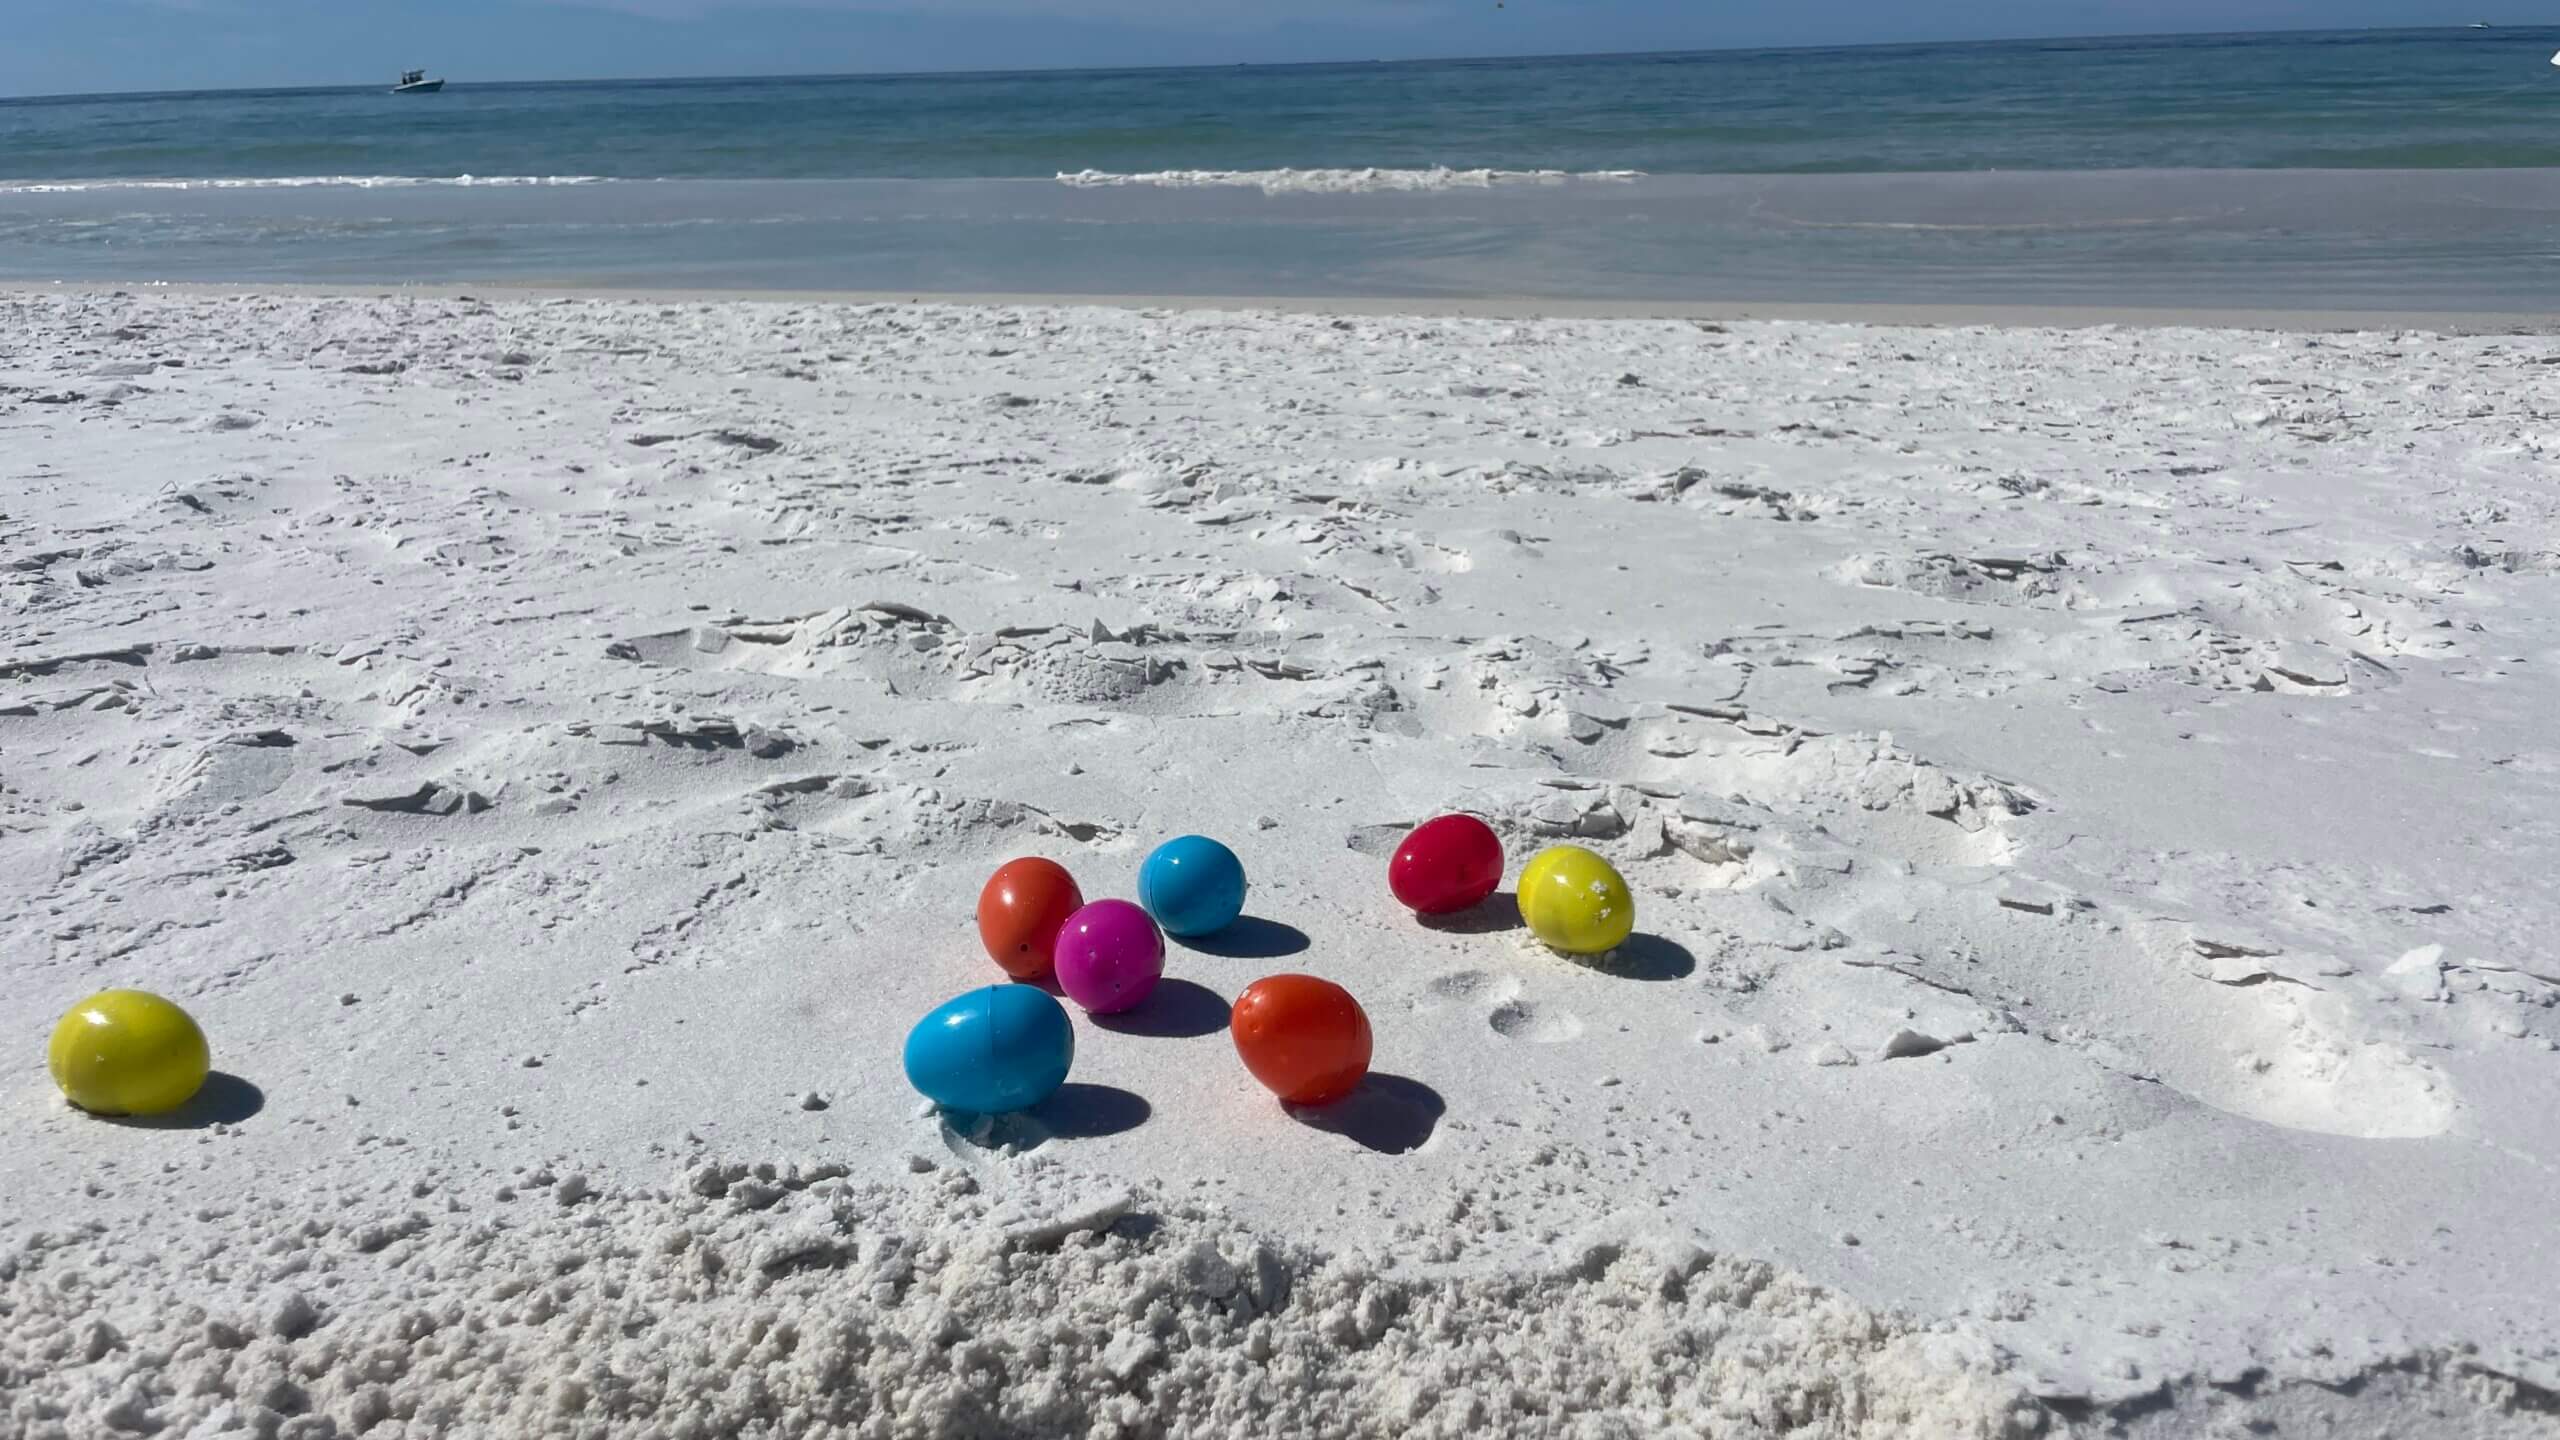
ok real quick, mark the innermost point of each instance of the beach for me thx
(2088, 789)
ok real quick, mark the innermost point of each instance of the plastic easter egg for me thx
(128, 1052)
(1109, 957)
(1446, 865)
(1576, 901)
(1004, 1047)
(1305, 1039)
(1025, 904)
(1192, 885)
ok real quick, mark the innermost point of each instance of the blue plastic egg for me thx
(1192, 885)
(1006, 1047)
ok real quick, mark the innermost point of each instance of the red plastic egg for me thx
(1305, 1039)
(1025, 904)
(1446, 865)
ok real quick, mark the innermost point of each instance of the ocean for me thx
(2362, 169)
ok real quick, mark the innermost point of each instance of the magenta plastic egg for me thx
(1109, 956)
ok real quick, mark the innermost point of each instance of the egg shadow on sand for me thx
(1642, 957)
(1388, 1113)
(1073, 1112)
(1176, 1010)
(1083, 1112)
(1247, 937)
(1494, 914)
(223, 1099)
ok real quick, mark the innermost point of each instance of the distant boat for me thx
(415, 82)
(2480, 25)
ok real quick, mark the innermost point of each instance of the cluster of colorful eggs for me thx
(1009, 1047)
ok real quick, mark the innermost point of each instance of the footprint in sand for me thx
(1535, 1023)
(1467, 987)
(2231, 1023)
(1499, 996)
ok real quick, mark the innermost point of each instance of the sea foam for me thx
(1278, 182)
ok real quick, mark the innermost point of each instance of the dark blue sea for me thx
(2367, 169)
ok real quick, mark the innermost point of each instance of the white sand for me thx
(2091, 797)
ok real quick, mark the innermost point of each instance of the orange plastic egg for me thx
(1305, 1039)
(1025, 904)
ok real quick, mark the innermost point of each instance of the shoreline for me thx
(1490, 307)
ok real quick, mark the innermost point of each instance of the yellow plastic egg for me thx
(1576, 901)
(128, 1052)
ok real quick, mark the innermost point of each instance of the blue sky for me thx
(62, 46)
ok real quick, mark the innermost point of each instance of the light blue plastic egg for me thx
(1005, 1047)
(1192, 885)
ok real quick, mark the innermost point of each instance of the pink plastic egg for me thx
(1109, 957)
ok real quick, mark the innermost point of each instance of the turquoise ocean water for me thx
(2417, 168)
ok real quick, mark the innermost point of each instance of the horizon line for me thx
(952, 73)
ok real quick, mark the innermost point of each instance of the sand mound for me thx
(772, 1300)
